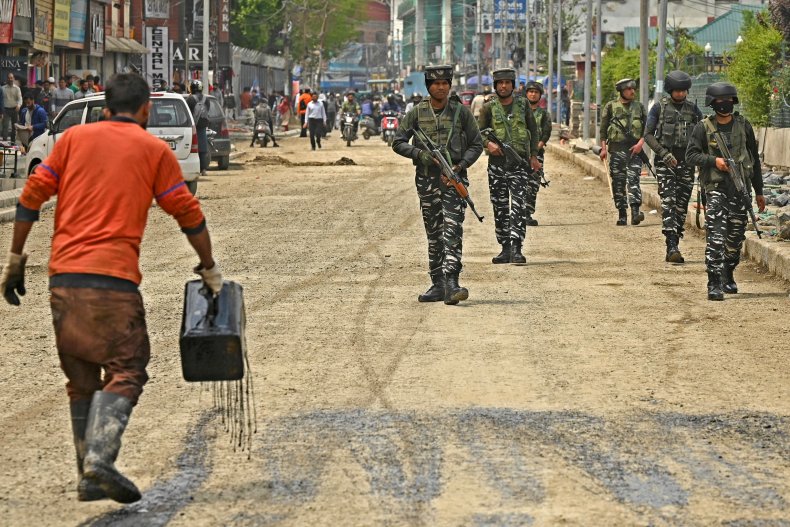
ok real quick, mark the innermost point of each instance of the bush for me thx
(752, 65)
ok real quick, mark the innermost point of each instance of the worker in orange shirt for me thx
(104, 196)
(301, 107)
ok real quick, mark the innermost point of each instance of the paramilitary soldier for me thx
(725, 214)
(669, 126)
(622, 125)
(512, 120)
(450, 125)
(534, 93)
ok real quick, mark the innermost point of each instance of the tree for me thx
(620, 63)
(753, 63)
(681, 47)
(780, 14)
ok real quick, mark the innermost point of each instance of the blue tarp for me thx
(473, 80)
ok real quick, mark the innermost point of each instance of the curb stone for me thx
(771, 254)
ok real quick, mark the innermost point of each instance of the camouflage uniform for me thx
(443, 210)
(509, 186)
(725, 214)
(544, 132)
(669, 126)
(624, 169)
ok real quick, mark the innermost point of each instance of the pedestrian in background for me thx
(63, 95)
(94, 274)
(32, 121)
(198, 105)
(12, 102)
(622, 127)
(315, 120)
(301, 108)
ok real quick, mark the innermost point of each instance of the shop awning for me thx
(123, 45)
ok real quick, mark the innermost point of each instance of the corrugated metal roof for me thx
(631, 36)
(722, 32)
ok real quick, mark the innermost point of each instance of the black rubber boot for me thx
(504, 256)
(515, 254)
(622, 219)
(531, 222)
(107, 420)
(87, 490)
(637, 216)
(728, 284)
(714, 287)
(454, 293)
(435, 293)
(673, 253)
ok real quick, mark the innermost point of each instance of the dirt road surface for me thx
(594, 386)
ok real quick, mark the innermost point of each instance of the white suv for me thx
(170, 120)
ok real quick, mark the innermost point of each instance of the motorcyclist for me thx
(263, 114)
(391, 105)
(350, 105)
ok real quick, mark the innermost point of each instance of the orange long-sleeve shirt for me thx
(105, 175)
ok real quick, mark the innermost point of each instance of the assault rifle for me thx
(511, 154)
(641, 155)
(736, 177)
(449, 177)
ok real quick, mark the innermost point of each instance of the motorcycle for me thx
(347, 122)
(389, 126)
(368, 126)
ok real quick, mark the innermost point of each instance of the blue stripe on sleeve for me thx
(49, 169)
(171, 189)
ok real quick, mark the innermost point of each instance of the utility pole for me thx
(559, 60)
(527, 13)
(598, 64)
(479, 52)
(550, 31)
(662, 37)
(206, 10)
(644, 64)
(587, 72)
(535, 41)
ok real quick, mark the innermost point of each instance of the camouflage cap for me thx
(504, 74)
(435, 73)
(535, 85)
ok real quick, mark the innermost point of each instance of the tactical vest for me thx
(512, 128)
(675, 126)
(443, 129)
(712, 177)
(630, 118)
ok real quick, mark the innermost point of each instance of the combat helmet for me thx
(504, 74)
(535, 85)
(677, 80)
(622, 84)
(720, 90)
(436, 73)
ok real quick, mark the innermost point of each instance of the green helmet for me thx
(535, 85)
(622, 84)
(505, 74)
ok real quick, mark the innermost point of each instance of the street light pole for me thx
(587, 72)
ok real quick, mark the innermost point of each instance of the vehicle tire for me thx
(33, 166)
(366, 135)
(192, 186)
(389, 140)
(223, 162)
(348, 142)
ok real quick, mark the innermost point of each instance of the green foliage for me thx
(780, 92)
(752, 65)
(620, 63)
(316, 24)
(683, 52)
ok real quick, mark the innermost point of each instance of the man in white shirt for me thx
(12, 102)
(315, 119)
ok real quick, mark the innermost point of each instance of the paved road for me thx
(594, 386)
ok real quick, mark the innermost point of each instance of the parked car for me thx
(169, 119)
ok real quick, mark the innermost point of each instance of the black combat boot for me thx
(435, 293)
(673, 253)
(637, 216)
(515, 253)
(531, 222)
(728, 284)
(622, 219)
(107, 419)
(714, 287)
(454, 293)
(87, 490)
(504, 256)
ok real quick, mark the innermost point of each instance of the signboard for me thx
(15, 65)
(79, 14)
(23, 23)
(224, 21)
(195, 53)
(197, 18)
(96, 29)
(62, 19)
(42, 25)
(499, 15)
(157, 8)
(7, 21)
(157, 62)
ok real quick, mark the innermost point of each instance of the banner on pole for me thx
(157, 67)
